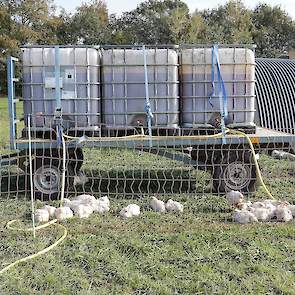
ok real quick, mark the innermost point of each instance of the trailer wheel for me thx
(47, 173)
(47, 178)
(234, 171)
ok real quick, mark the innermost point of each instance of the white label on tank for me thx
(66, 94)
(50, 82)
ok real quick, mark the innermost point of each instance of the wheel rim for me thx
(237, 175)
(47, 179)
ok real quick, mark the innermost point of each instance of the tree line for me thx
(152, 22)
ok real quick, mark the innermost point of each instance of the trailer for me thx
(57, 146)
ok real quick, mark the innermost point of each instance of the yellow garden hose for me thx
(147, 137)
(32, 256)
(52, 222)
(242, 134)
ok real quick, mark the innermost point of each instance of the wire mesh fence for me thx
(197, 251)
(127, 163)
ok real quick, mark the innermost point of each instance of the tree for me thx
(56, 29)
(21, 23)
(199, 31)
(274, 30)
(230, 23)
(27, 18)
(7, 45)
(89, 25)
(153, 22)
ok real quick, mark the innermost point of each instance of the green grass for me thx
(191, 253)
(198, 252)
(4, 122)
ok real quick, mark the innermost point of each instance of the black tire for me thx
(234, 171)
(47, 173)
(47, 178)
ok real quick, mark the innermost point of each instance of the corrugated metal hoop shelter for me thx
(275, 94)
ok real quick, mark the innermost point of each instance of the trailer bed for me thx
(261, 137)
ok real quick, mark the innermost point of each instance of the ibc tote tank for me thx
(123, 98)
(238, 71)
(79, 86)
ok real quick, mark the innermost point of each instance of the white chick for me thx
(234, 198)
(80, 179)
(100, 207)
(41, 215)
(83, 211)
(292, 209)
(258, 205)
(135, 209)
(62, 213)
(174, 206)
(272, 210)
(125, 213)
(85, 199)
(244, 216)
(50, 209)
(283, 214)
(104, 200)
(157, 205)
(270, 201)
(262, 214)
(244, 205)
(130, 211)
(72, 204)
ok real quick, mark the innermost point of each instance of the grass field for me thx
(198, 252)
(4, 121)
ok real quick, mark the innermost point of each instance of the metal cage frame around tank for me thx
(171, 115)
(22, 143)
(208, 83)
(88, 84)
(178, 50)
(261, 136)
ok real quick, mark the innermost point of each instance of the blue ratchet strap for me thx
(58, 110)
(221, 91)
(148, 108)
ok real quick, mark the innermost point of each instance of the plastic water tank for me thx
(123, 78)
(79, 86)
(238, 72)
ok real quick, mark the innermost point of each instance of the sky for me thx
(119, 6)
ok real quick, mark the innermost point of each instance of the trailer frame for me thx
(160, 145)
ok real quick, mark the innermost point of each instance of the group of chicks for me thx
(156, 205)
(81, 206)
(84, 205)
(264, 210)
(244, 212)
